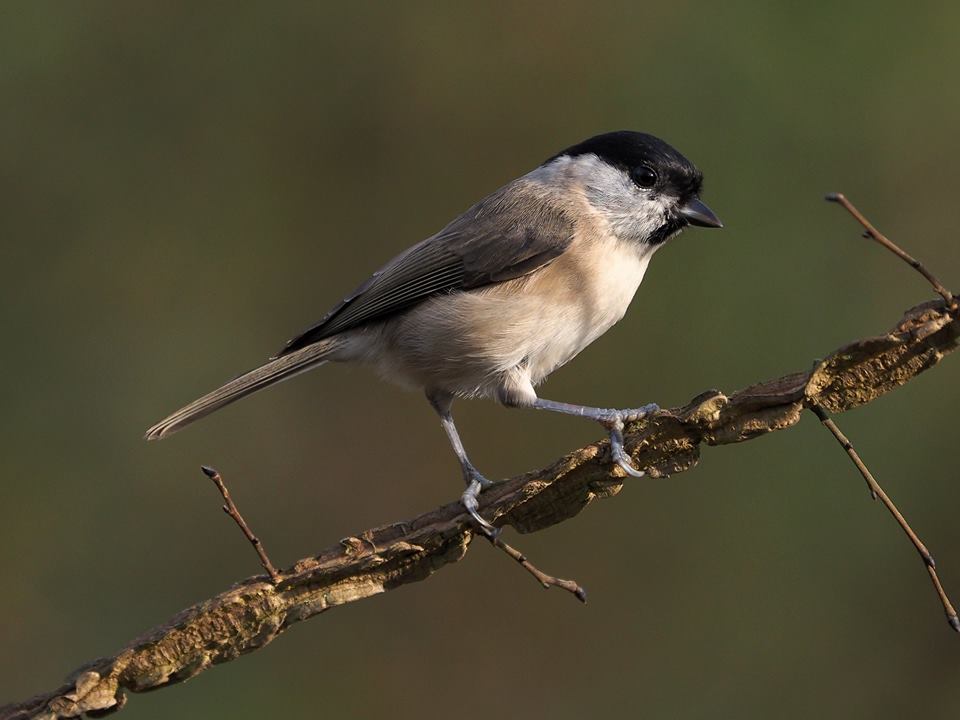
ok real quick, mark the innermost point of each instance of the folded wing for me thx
(509, 234)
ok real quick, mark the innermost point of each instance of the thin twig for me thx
(877, 491)
(230, 509)
(570, 586)
(872, 232)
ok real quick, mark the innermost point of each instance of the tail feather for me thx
(277, 370)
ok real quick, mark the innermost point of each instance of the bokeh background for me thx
(186, 185)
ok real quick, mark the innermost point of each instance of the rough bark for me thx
(254, 611)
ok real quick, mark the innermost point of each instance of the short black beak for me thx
(696, 213)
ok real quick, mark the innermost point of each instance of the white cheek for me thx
(638, 215)
(631, 213)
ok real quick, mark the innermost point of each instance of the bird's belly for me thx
(471, 343)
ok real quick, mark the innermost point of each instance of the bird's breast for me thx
(596, 282)
(467, 343)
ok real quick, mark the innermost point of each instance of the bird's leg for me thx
(474, 480)
(612, 420)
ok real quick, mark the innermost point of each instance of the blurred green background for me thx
(186, 185)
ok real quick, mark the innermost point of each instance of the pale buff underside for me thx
(501, 340)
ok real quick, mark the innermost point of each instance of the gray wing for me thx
(508, 234)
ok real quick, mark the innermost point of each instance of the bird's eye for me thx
(644, 176)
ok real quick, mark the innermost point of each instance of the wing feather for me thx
(507, 235)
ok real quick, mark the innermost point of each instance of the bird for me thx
(507, 292)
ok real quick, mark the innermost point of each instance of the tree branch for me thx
(254, 611)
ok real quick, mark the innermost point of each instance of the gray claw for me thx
(617, 452)
(624, 462)
(639, 413)
(469, 501)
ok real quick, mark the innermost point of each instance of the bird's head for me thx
(641, 185)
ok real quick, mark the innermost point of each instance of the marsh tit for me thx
(506, 293)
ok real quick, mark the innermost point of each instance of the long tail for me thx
(277, 370)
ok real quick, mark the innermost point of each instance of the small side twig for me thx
(545, 580)
(877, 492)
(879, 237)
(230, 509)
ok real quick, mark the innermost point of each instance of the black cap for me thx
(628, 150)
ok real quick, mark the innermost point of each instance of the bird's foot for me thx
(475, 483)
(614, 421)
